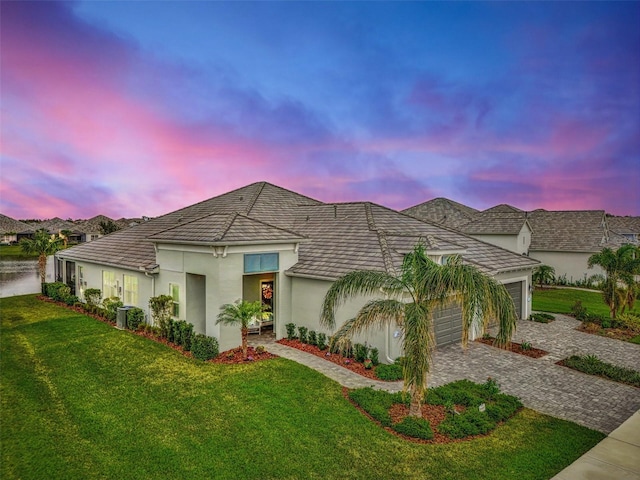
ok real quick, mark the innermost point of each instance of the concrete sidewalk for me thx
(615, 457)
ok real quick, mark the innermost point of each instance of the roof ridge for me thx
(386, 254)
(227, 225)
(256, 195)
(371, 223)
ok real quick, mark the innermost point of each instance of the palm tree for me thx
(544, 275)
(43, 245)
(65, 234)
(620, 266)
(411, 298)
(241, 313)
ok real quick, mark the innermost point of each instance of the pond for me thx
(19, 277)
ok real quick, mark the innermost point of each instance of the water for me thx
(19, 277)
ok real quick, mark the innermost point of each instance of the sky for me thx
(140, 108)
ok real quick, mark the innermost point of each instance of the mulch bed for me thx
(336, 358)
(434, 414)
(616, 333)
(235, 356)
(516, 348)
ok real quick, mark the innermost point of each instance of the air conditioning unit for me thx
(121, 317)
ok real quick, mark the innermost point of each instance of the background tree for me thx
(241, 313)
(65, 234)
(43, 245)
(620, 266)
(544, 275)
(412, 296)
(108, 226)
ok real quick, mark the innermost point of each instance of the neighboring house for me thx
(627, 227)
(566, 239)
(444, 212)
(90, 228)
(56, 226)
(510, 230)
(11, 230)
(264, 238)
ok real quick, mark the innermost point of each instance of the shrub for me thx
(322, 341)
(185, 334)
(525, 345)
(373, 355)
(313, 337)
(389, 372)
(579, 312)
(71, 300)
(302, 334)
(93, 296)
(161, 308)
(291, 331)
(360, 352)
(542, 317)
(414, 427)
(57, 291)
(135, 316)
(594, 366)
(204, 348)
(630, 322)
(111, 306)
(491, 387)
(605, 323)
(375, 402)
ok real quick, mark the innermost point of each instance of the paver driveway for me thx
(540, 384)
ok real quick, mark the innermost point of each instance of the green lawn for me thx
(560, 300)
(80, 399)
(14, 251)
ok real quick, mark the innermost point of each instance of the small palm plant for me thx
(241, 313)
(43, 245)
(544, 275)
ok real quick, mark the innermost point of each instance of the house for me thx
(91, 228)
(263, 238)
(627, 227)
(507, 229)
(11, 230)
(443, 211)
(56, 226)
(566, 239)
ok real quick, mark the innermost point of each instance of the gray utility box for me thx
(121, 318)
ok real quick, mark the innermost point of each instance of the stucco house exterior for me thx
(11, 229)
(263, 238)
(509, 230)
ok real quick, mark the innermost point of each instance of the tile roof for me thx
(502, 208)
(496, 223)
(10, 225)
(624, 225)
(56, 225)
(570, 231)
(340, 237)
(443, 211)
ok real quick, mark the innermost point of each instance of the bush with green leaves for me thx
(135, 317)
(204, 348)
(71, 300)
(373, 355)
(376, 403)
(594, 366)
(542, 317)
(111, 306)
(313, 338)
(360, 352)
(322, 341)
(579, 311)
(291, 331)
(391, 372)
(92, 296)
(302, 334)
(57, 291)
(414, 427)
(161, 308)
(185, 334)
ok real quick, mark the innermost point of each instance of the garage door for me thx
(515, 290)
(448, 325)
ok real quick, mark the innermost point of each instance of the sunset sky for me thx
(140, 108)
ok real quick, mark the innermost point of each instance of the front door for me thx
(70, 277)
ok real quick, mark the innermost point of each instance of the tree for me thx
(241, 313)
(412, 296)
(620, 267)
(544, 275)
(43, 245)
(108, 226)
(65, 234)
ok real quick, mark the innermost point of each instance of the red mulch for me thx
(516, 348)
(617, 333)
(235, 356)
(228, 357)
(336, 358)
(434, 414)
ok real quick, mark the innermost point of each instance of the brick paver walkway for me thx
(541, 385)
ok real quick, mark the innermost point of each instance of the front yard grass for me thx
(80, 399)
(560, 300)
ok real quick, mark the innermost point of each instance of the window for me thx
(130, 290)
(94, 236)
(109, 284)
(261, 262)
(174, 291)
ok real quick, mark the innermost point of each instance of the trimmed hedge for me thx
(135, 317)
(389, 372)
(594, 366)
(204, 348)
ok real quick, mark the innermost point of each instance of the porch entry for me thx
(261, 287)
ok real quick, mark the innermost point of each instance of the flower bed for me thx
(234, 356)
(519, 348)
(336, 358)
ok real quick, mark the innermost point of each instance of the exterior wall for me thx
(571, 264)
(508, 242)
(224, 274)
